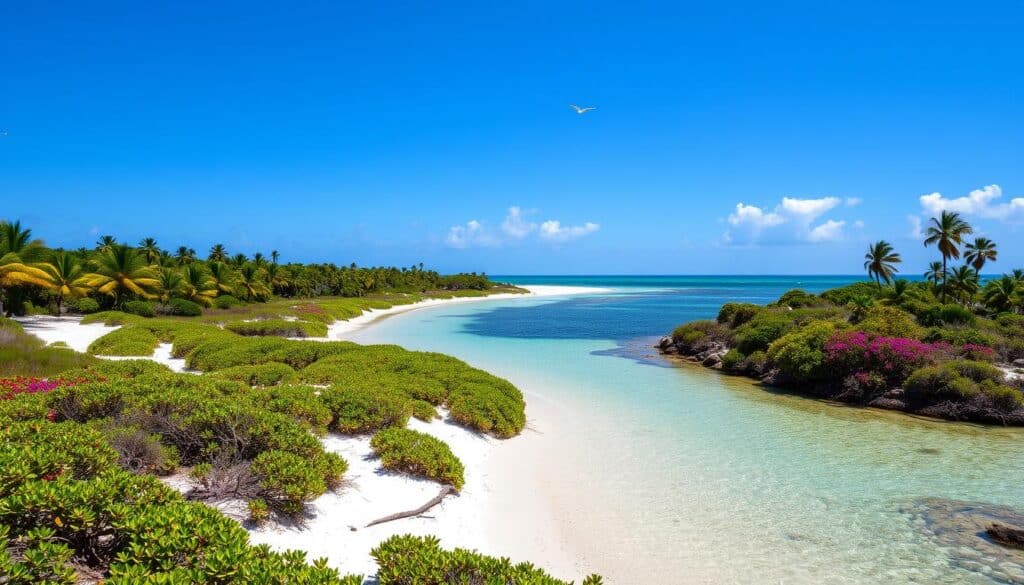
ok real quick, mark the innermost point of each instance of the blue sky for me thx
(729, 137)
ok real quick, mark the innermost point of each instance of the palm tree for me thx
(947, 232)
(881, 261)
(250, 280)
(17, 240)
(105, 243)
(859, 306)
(1001, 294)
(65, 275)
(172, 284)
(14, 272)
(965, 282)
(121, 272)
(223, 277)
(184, 255)
(165, 260)
(197, 285)
(1018, 274)
(980, 251)
(935, 273)
(218, 253)
(275, 256)
(259, 260)
(238, 260)
(150, 249)
(897, 293)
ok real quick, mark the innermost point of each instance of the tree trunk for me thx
(944, 277)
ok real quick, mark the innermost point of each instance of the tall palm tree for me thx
(1001, 294)
(197, 285)
(275, 256)
(122, 272)
(18, 252)
(881, 261)
(964, 280)
(15, 239)
(1018, 274)
(105, 243)
(935, 273)
(238, 260)
(165, 260)
(223, 277)
(250, 280)
(184, 255)
(150, 249)
(980, 251)
(259, 260)
(66, 277)
(218, 253)
(947, 232)
(172, 283)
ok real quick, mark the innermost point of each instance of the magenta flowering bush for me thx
(11, 387)
(975, 352)
(877, 356)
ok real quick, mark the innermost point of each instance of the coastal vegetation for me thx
(90, 448)
(950, 346)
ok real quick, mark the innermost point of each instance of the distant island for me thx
(948, 347)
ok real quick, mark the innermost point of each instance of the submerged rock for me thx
(962, 529)
(1006, 535)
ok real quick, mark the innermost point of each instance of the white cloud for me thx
(469, 235)
(980, 202)
(853, 201)
(859, 224)
(554, 231)
(515, 226)
(750, 223)
(829, 231)
(915, 226)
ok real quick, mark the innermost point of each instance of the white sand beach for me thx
(498, 512)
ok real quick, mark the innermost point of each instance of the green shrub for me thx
(736, 314)
(890, 322)
(939, 315)
(959, 335)
(416, 453)
(268, 374)
(699, 335)
(126, 341)
(843, 295)
(226, 302)
(301, 403)
(974, 370)
(933, 384)
(140, 308)
(800, 355)
(797, 298)
(489, 405)
(183, 308)
(758, 333)
(733, 361)
(424, 410)
(85, 305)
(359, 411)
(278, 328)
(287, 481)
(420, 560)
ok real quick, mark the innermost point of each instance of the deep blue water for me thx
(635, 306)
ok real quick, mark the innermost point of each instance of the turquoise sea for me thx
(672, 474)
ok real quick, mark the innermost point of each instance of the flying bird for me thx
(580, 110)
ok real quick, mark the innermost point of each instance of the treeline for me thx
(114, 273)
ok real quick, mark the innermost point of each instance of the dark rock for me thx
(888, 403)
(664, 342)
(1018, 363)
(671, 349)
(1006, 535)
(711, 360)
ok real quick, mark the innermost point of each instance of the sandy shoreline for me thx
(499, 512)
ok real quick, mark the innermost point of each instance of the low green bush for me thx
(287, 481)
(424, 410)
(800, 355)
(127, 341)
(890, 322)
(278, 328)
(736, 314)
(183, 308)
(699, 335)
(227, 302)
(797, 298)
(420, 560)
(416, 453)
(301, 403)
(843, 295)
(933, 384)
(357, 411)
(939, 315)
(84, 306)
(268, 374)
(140, 308)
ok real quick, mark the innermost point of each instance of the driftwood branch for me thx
(433, 502)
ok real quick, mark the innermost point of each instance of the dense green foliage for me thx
(420, 560)
(417, 453)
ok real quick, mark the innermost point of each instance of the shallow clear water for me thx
(679, 475)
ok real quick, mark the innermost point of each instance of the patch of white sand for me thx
(68, 329)
(162, 355)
